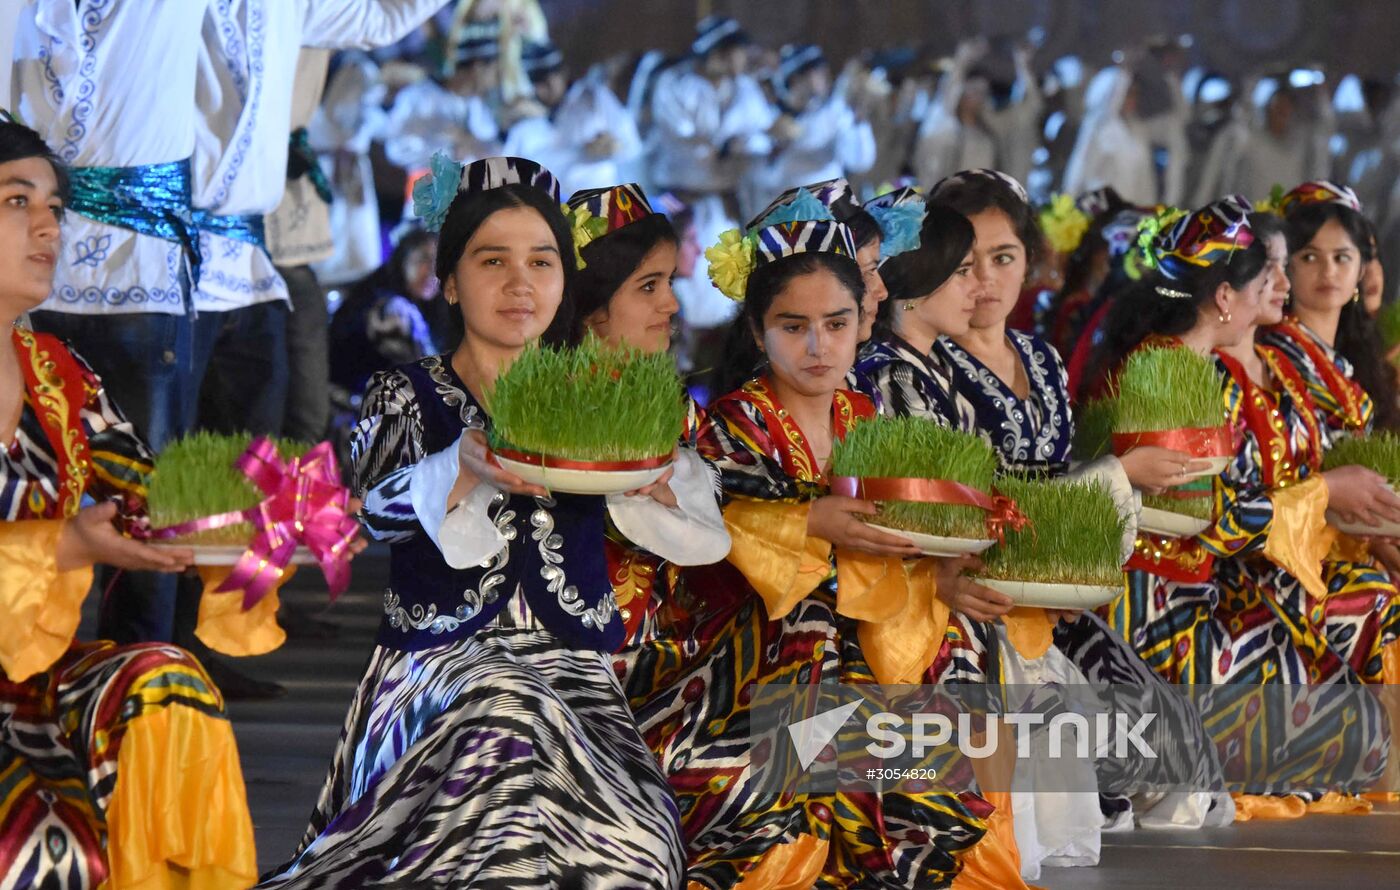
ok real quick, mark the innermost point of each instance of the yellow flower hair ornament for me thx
(1272, 204)
(731, 263)
(585, 229)
(1142, 257)
(1064, 224)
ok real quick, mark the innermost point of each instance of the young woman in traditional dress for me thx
(808, 595)
(936, 291)
(119, 764)
(1328, 334)
(489, 740)
(1247, 601)
(628, 253)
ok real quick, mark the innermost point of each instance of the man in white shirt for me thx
(962, 131)
(710, 123)
(582, 133)
(454, 116)
(247, 69)
(820, 138)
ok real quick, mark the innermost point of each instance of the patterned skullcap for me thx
(835, 195)
(1100, 201)
(478, 42)
(793, 60)
(1318, 192)
(968, 176)
(492, 173)
(434, 192)
(596, 213)
(714, 30)
(803, 225)
(539, 59)
(1201, 239)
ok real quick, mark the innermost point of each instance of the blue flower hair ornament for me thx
(434, 191)
(899, 226)
(804, 207)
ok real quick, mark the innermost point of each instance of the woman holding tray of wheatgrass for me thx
(934, 294)
(150, 792)
(489, 740)
(799, 592)
(1243, 602)
(623, 296)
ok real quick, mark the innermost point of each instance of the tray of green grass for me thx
(913, 448)
(586, 420)
(1379, 452)
(1175, 515)
(1069, 553)
(1093, 429)
(195, 477)
(1172, 397)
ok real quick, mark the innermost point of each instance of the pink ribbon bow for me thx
(305, 504)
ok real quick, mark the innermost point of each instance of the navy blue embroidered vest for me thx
(554, 554)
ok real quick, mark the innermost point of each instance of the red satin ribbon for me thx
(597, 466)
(1002, 512)
(305, 504)
(1214, 441)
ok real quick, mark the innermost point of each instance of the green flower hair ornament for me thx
(1143, 256)
(585, 228)
(1063, 223)
(731, 263)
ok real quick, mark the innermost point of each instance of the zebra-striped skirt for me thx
(504, 760)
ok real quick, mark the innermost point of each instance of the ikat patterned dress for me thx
(117, 763)
(489, 743)
(771, 614)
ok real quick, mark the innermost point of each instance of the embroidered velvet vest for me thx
(554, 554)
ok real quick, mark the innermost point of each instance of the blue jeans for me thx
(245, 370)
(147, 363)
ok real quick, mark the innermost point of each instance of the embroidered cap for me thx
(434, 192)
(595, 213)
(716, 30)
(1318, 192)
(1100, 201)
(1199, 240)
(965, 177)
(835, 195)
(478, 42)
(541, 59)
(793, 60)
(803, 225)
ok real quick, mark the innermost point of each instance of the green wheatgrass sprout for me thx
(1196, 508)
(1093, 429)
(195, 477)
(592, 402)
(915, 447)
(1388, 323)
(1073, 536)
(1168, 389)
(1378, 451)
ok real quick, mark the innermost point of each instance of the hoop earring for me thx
(1225, 318)
(1356, 295)
(909, 306)
(451, 300)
